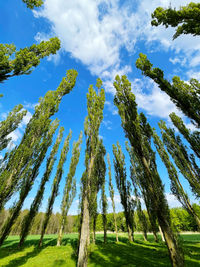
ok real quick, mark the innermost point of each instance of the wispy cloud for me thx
(95, 33)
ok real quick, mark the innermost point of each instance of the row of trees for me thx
(20, 166)
(181, 219)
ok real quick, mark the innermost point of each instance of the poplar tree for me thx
(15, 63)
(70, 187)
(138, 178)
(193, 138)
(55, 186)
(186, 19)
(104, 201)
(139, 133)
(10, 124)
(25, 154)
(28, 220)
(140, 213)
(181, 158)
(33, 3)
(95, 105)
(124, 189)
(97, 183)
(176, 186)
(28, 181)
(184, 95)
(111, 190)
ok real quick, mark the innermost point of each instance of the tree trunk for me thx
(94, 230)
(161, 234)
(130, 234)
(105, 234)
(115, 221)
(176, 257)
(155, 236)
(145, 235)
(84, 235)
(60, 234)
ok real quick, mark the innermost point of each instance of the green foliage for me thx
(186, 18)
(14, 63)
(186, 96)
(33, 3)
(70, 185)
(28, 180)
(22, 158)
(55, 186)
(139, 134)
(193, 138)
(181, 158)
(28, 220)
(10, 124)
(124, 187)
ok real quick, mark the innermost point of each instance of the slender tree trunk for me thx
(84, 235)
(155, 236)
(145, 235)
(105, 233)
(94, 230)
(175, 253)
(130, 234)
(161, 234)
(10, 221)
(116, 231)
(176, 257)
(60, 234)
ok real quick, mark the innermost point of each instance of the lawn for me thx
(138, 253)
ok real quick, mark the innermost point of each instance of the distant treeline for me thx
(181, 220)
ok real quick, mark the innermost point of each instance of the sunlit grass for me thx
(138, 253)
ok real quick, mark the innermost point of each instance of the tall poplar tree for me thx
(28, 180)
(111, 190)
(176, 186)
(124, 189)
(101, 177)
(28, 220)
(138, 177)
(140, 213)
(186, 19)
(70, 187)
(10, 124)
(193, 138)
(55, 186)
(181, 158)
(184, 95)
(139, 133)
(25, 154)
(97, 183)
(15, 63)
(95, 105)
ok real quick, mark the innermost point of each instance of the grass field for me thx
(138, 253)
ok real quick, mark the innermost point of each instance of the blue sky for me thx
(99, 38)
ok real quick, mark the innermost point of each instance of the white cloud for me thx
(107, 124)
(25, 120)
(153, 100)
(111, 108)
(28, 105)
(172, 200)
(193, 74)
(95, 32)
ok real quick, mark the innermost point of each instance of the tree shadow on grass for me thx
(129, 254)
(11, 247)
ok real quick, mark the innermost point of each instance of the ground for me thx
(138, 253)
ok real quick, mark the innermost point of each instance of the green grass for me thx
(138, 253)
